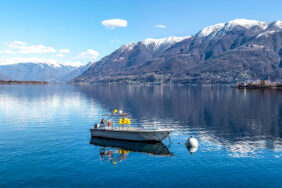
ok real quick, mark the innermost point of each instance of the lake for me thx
(45, 139)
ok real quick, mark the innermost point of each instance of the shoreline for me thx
(16, 82)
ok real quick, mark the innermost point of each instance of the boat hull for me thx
(131, 134)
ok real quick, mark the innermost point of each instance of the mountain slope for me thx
(4, 77)
(75, 73)
(230, 52)
(39, 72)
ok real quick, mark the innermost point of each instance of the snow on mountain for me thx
(266, 33)
(211, 29)
(278, 24)
(214, 29)
(128, 47)
(154, 43)
(42, 61)
(49, 71)
(247, 23)
(163, 41)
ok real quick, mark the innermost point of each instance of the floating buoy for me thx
(192, 142)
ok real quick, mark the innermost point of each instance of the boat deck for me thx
(133, 129)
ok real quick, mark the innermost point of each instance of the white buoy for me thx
(120, 111)
(192, 142)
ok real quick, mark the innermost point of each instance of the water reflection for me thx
(118, 150)
(245, 123)
(45, 137)
(239, 121)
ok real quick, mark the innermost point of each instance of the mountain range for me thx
(40, 72)
(225, 53)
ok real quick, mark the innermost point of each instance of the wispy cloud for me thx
(115, 41)
(64, 51)
(20, 47)
(8, 52)
(89, 54)
(23, 48)
(160, 26)
(22, 52)
(113, 23)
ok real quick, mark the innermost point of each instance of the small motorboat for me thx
(131, 133)
(106, 129)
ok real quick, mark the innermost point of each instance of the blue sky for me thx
(72, 30)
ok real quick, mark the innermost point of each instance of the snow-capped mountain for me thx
(163, 43)
(135, 54)
(238, 50)
(52, 72)
(239, 24)
(154, 45)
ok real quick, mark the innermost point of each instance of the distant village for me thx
(260, 84)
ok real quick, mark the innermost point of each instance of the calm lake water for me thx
(45, 139)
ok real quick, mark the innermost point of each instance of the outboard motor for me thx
(96, 126)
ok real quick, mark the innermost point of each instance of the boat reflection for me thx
(118, 150)
(245, 123)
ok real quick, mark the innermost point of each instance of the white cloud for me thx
(89, 54)
(22, 52)
(115, 41)
(64, 50)
(113, 23)
(37, 49)
(23, 48)
(160, 26)
(8, 52)
(16, 44)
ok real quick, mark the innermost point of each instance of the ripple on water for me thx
(45, 139)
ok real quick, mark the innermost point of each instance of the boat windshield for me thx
(116, 119)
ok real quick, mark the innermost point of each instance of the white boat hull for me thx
(131, 134)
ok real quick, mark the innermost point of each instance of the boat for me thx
(106, 129)
(131, 133)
